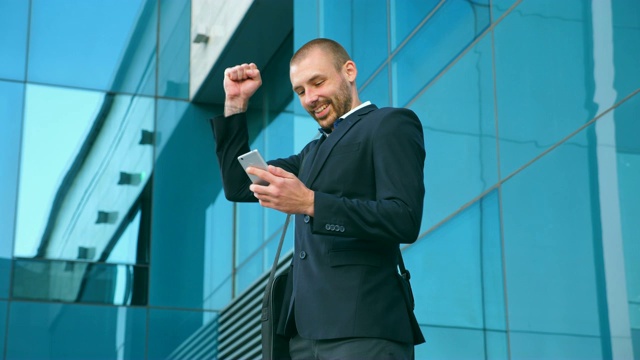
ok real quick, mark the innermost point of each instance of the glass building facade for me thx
(116, 241)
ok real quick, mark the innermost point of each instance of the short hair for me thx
(339, 54)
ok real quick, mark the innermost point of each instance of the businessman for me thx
(356, 192)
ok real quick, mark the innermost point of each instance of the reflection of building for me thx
(114, 231)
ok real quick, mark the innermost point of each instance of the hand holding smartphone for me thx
(253, 158)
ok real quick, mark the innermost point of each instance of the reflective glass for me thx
(535, 108)
(406, 15)
(554, 346)
(305, 22)
(14, 18)
(499, 7)
(76, 145)
(625, 24)
(548, 226)
(460, 138)
(336, 25)
(11, 101)
(457, 270)
(371, 47)
(248, 271)
(82, 282)
(446, 343)
(177, 334)
(186, 182)
(173, 65)
(59, 331)
(378, 90)
(453, 27)
(102, 45)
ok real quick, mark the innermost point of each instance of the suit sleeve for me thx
(395, 214)
(232, 140)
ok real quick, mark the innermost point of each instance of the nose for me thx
(310, 97)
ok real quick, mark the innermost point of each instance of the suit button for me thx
(341, 228)
(303, 254)
(306, 218)
(332, 227)
(327, 226)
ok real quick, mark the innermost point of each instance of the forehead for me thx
(315, 63)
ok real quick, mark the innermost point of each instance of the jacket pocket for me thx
(354, 257)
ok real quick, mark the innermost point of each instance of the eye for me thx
(319, 83)
(300, 93)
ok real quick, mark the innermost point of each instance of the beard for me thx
(341, 104)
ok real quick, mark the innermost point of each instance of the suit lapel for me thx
(324, 148)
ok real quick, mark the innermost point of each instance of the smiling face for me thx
(324, 91)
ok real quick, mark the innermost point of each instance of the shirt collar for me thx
(327, 131)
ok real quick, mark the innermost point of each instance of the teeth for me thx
(320, 109)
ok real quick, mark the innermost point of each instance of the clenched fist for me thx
(240, 83)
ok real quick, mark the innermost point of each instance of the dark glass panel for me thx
(82, 282)
(11, 103)
(175, 334)
(186, 183)
(63, 331)
(174, 50)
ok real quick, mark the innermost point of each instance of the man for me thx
(356, 192)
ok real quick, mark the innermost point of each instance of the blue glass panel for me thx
(75, 146)
(74, 281)
(305, 23)
(104, 45)
(174, 49)
(456, 270)
(336, 25)
(378, 91)
(458, 116)
(499, 7)
(406, 15)
(14, 17)
(496, 345)
(182, 335)
(436, 45)
(549, 234)
(371, 44)
(447, 343)
(554, 346)
(186, 183)
(544, 82)
(11, 103)
(626, 54)
(57, 331)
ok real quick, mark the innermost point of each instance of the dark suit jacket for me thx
(368, 181)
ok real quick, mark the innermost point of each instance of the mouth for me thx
(321, 111)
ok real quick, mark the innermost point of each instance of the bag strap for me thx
(272, 274)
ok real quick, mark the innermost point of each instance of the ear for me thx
(350, 71)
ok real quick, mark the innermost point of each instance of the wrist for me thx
(235, 106)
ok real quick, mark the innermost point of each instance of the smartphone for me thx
(253, 158)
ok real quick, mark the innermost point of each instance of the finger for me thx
(280, 172)
(261, 173)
